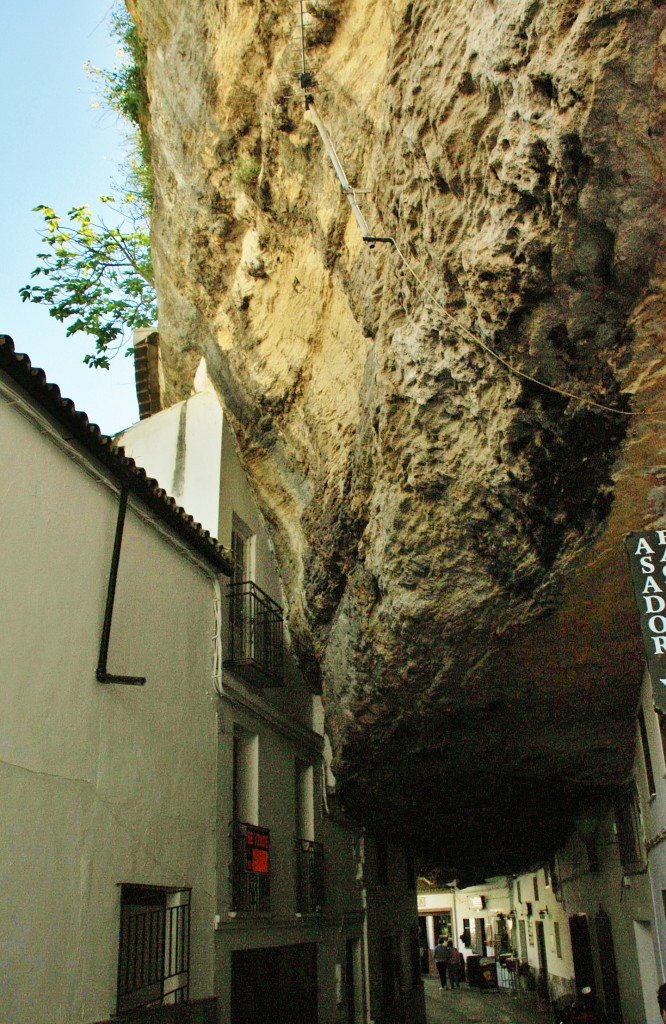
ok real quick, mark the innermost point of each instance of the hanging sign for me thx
(257, 852)
(647, 561)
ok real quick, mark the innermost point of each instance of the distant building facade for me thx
(595, 915)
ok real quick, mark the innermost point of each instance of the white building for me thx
(108, 740)
(171, 851)
(322, 928)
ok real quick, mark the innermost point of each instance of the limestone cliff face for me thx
(449, 532)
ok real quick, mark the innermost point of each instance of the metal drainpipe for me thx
(366, 951)
(102, 675)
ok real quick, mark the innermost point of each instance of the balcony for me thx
(309, 876)
(256, 645)
(250, 868)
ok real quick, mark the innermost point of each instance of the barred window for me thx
(629, 829)
(154, 946)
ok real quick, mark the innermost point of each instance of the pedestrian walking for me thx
(453, 965)
(441, 956)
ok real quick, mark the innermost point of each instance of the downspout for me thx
(364, 905)
(102, 675)
(217, 637)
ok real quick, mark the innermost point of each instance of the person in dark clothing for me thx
(453, 965)
(441, 959)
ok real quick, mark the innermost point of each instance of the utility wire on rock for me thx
(312, 115)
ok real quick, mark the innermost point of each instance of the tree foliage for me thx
(98, 278)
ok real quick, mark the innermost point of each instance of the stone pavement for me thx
(466, 1005)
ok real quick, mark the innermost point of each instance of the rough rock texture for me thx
(449, 533)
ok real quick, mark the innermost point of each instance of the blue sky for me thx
(57, 150)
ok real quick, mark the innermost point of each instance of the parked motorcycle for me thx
(583, 1008)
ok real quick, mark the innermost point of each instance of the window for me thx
(592, 854)
(646, 753)
(662, 732)
(309, 854)
(242, 550)
(256, 635)
(629, 829)
(535, 882)
(558, 939)
(250, 844)
(154, 946)
(546, 875)
(519, 896)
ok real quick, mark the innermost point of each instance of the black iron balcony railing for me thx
(153, 962)
(256, 643)
(310, 876)
(250, 867)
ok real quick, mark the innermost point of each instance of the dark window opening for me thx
(592, 855)
(310, 878)
(652, 789)
(629, 829)
(535, 882)
(154, 946)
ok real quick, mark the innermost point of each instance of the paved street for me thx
(470, 1006)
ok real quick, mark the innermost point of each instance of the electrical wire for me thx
(470, 336)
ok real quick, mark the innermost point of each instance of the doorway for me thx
(582, 952)
(277, 984)
(522, 935)
(542, 984)
(608, 967)
(353, 978)
(480, 936)
(648, 969)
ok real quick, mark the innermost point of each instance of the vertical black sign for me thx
(647, 561)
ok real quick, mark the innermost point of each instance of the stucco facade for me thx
(102, 784)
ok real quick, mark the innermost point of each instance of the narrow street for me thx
(472, 1006)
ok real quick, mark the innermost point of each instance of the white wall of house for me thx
(178, 448)
(100, 784)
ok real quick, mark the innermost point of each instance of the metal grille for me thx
(154, 948)
(250, 868)
(310, 876)
(256, 634)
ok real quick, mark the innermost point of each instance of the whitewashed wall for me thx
(99, 784)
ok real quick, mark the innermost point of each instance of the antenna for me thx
(312, 115)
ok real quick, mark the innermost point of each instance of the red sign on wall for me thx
(257, 851)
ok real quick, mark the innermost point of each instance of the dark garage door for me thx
(277, 984)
